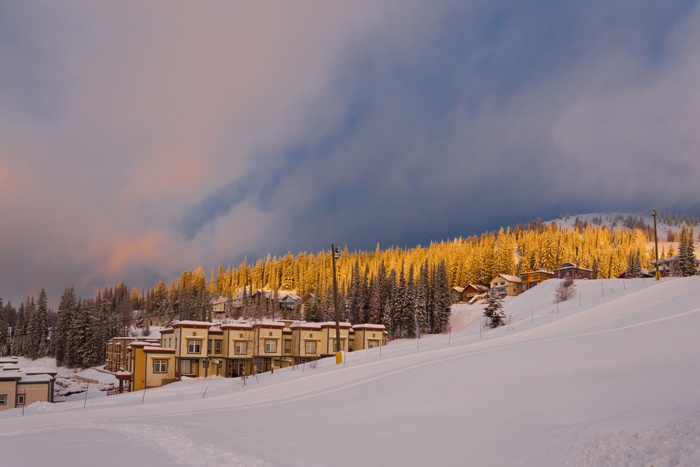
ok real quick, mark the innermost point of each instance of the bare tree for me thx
(565, 290)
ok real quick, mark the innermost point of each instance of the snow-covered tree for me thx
(686, 253)
(634, 264)
(441, 305)
(494, 309)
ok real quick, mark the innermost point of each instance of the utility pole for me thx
(336, 254)
(656, 246)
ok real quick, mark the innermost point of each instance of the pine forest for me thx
(405, 289)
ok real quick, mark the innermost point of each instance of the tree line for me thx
(406, 289)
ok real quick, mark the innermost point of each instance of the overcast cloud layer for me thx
(141, 139)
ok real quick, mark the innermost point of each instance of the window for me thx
(20, 399)
(310, 347)
(217, 346)
(194, 346)
(208, 346)
(241, 348)
(160, 366)
(270, 346)
(372, 344)
(287, 346)
(3, 399)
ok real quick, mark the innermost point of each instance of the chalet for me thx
(506, 284)
(473, 290)
(457, 294)
(237, 300)
(532, 277)
(642, 273)
(309, 299)
(290, 301)
(573, 271)
(220, 306)
(669, 266)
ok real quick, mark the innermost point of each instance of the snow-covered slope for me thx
(610, 378)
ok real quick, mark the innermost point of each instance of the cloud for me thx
(139, 141)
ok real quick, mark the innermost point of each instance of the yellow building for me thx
(306, 341)
(329, 335)
(214, 364)
(117, 355)
(368, 336)
(190, 341)
(237, 348)
(151, 365)
(505, 284)
(267, 352)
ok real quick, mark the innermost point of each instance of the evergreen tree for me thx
(390, 303)
(375, 300)
(314, 313)
(60, 333)
(634, 265)
(494, 309)
(422, 298)
(442, 305)
(41, 325)
(19, 332)
(355, 298)
(686, 253)
(4, 329)
(408, 305)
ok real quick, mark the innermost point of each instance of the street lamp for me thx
(656, 246)
(336, 254)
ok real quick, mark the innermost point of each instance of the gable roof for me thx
(508, 277)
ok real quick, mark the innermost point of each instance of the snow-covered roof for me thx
(509, 278)
(374, 327)
(38, 378)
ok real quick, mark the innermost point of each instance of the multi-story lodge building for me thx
(201, 349)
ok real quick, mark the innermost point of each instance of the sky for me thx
(609, 380)
(142, 139)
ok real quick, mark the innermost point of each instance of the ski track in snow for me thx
(176, 436)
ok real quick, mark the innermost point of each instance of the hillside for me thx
(609, 379)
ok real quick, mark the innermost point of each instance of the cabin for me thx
(506, 285)
(573, 271)
(669, 266)
(456, 294)
(473, 290)
(220, 307)
(290, 301)
(531, 277)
